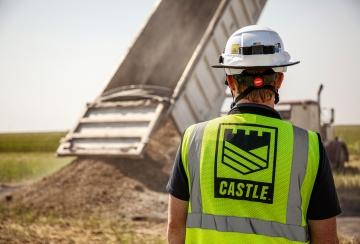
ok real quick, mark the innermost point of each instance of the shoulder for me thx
(199, 126)
(312, 136)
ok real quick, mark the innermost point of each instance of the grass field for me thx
(29, 156)
(28, 166)
(351, 135)
(30, 142)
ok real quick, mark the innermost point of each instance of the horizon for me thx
(58, 56)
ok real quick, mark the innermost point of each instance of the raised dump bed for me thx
(113, 128)
(166, 73)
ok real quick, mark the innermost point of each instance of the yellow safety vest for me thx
(250, 180)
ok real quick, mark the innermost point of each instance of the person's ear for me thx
(231, 83)
(279, 80)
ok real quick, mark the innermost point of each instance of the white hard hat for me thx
(254, 47)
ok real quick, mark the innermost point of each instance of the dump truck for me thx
(165, 75)
(308, 114)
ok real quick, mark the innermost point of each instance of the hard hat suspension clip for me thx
(256, 81)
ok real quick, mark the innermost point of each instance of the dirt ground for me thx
(349, 229)
(105, 200)
(95, 200)
(103, 194)
(348, 190)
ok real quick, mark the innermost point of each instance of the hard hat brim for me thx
(254, 67)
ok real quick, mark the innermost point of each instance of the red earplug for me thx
(258, 82)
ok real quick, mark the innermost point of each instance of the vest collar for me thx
(253, 108)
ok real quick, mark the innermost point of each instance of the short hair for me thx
(258, 95)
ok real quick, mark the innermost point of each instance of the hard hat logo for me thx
(254, 47)
(235, 48)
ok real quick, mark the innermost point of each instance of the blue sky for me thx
(57, 55)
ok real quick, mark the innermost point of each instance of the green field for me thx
(30, 142)
(28, 166)
(351, 135)
(29, 156)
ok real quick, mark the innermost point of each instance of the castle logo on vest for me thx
(245, 162)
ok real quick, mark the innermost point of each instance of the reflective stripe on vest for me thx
(298, 167)
(194, 154)
(292, 230)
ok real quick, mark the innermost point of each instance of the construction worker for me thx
(250, 177)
